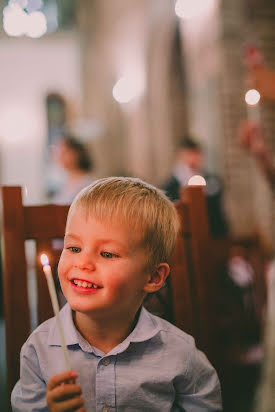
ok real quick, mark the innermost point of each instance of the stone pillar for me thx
(200, 37)
(237, 165)
(96, 21)
(117, 38)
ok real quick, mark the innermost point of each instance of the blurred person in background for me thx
(74, 159)
(250, 134)
(251, 137)
(189, 162)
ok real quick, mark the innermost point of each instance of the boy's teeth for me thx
(84, 284)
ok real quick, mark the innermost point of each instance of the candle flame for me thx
(44, 259)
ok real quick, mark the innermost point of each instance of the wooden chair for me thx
(193, 280)
(18, 224)
(189, 299)
(175, 302)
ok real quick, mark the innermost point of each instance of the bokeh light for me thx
(126, 89)
(37, 24)
(252, 97)
(188, 9)
(20, 17)
(197, 180)
(14, 20)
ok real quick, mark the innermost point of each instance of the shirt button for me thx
(106, 362)
(105, 409)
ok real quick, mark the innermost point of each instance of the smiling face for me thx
(103, 266)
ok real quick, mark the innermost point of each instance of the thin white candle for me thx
(252, 98)
(48, 273)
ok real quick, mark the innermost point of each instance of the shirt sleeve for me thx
(199, 389)
(29, 393)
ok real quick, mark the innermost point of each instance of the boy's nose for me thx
(85, 262)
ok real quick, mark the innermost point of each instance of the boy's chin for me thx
(88, 310)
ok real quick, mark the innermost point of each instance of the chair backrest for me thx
(189, 298)
(180, 279)
(192, 277)
(192, 259)
(20, 223)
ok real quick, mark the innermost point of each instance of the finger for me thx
(63, 392)
(60, 378)
(70, 405)
(72, 380)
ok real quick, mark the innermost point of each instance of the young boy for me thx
(119, 238)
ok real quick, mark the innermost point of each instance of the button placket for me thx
(105, 385)
(106, 361)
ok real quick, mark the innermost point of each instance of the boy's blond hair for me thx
(146, 209)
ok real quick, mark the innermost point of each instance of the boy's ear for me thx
(157, 277)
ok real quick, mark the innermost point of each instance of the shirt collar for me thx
(146, 328)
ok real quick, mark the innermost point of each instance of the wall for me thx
(30, 69)
(248, 196)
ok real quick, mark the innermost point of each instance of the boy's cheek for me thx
(61, 275)
(63, 263)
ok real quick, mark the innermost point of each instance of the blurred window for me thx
(25, 17)
(66, 13)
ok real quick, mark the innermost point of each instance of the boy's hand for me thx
(63, 394)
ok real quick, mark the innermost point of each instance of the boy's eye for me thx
(74, 249)
(108, 255)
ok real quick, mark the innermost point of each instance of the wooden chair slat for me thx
(46, 221)
(44, 224)
(183, 315)
(201, 261)
(16, 306)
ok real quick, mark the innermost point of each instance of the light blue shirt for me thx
(156, 368)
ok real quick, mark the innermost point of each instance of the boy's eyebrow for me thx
(110, 240)
(71, 236)
(101, 240)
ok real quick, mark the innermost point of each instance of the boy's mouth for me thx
(85, 284)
